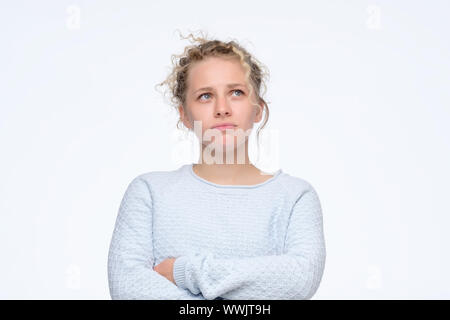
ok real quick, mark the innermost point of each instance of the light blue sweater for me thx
(262, 241)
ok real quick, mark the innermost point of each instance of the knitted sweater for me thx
(262, 241)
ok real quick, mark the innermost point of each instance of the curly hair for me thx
(201, 48)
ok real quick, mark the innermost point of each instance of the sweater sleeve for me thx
(130, 258)
(293, 275)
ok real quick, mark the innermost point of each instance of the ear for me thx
(183, 116)
(259, 111)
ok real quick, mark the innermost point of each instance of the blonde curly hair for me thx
(202, 47)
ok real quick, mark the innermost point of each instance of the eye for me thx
(238, 91)
(199, 97)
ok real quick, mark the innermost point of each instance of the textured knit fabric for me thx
(262, 241)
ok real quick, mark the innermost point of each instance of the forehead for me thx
(215, 71)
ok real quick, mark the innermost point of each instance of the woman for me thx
(219, 229)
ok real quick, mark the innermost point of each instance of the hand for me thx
(165, 268)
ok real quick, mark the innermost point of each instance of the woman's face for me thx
(217, 93)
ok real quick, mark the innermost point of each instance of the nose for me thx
(222, 108)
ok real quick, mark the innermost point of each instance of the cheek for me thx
(246, 116)
(198, 119)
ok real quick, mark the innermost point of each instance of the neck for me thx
(230, 165)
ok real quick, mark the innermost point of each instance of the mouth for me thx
(225, 126)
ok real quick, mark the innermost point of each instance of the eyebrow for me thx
(231, 85)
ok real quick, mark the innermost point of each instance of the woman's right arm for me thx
(130, 257)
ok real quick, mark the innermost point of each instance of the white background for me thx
(358, 95)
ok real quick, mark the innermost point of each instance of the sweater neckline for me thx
(232, 186)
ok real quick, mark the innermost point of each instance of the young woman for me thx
(221, 228)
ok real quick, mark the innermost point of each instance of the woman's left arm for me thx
(296, 274)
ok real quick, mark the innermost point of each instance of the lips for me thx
(224, 126)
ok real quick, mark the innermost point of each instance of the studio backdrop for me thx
(359, 106)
